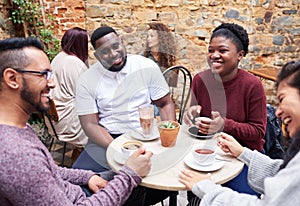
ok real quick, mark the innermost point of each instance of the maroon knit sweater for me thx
(29, 176)
(241, 101)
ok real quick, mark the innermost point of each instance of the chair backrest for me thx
(52, 116)
(274, 145)
(52, 112)
(185, 87)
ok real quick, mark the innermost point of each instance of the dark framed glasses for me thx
(47, 74)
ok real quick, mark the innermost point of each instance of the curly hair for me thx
(234, 32)
(167, 48)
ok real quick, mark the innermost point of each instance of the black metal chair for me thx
(52, 116)
(185, 88)
(183, 73)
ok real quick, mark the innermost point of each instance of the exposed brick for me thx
(273, 26)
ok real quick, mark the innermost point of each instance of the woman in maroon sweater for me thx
(233, 98)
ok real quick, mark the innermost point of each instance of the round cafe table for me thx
(167, 162)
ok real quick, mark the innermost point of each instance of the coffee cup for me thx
(129, 147)
(146, 113)
(202, 119)
(204, 154)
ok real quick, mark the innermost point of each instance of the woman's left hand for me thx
(190, 178)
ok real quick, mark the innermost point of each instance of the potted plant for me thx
(168, 131)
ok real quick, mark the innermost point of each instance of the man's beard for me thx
(29, 97)
(117, 69)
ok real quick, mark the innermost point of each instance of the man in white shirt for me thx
(110, 92)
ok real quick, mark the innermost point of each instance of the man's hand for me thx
(95, 183)
(140, 162)
(191, 113)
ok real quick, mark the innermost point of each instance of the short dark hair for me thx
(234, 32)
(19, 43)
(12, 54)
(75, 42)
(100, 32)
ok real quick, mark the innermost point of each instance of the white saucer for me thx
(189, 161)
(138, 134)
(119, 158)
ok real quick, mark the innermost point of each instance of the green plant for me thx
(30, 20)
(167, 124)
(52, 45)
(39, 127)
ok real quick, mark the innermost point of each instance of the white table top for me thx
(168, 162)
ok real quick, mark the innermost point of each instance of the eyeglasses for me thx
(47, 74)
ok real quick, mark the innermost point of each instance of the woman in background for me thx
(160, 45)
(67, 67)
(161, 48)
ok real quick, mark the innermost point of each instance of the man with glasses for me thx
(47, 74)
(28, 174)
(109, 93)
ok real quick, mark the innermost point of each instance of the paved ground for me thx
(57, 150)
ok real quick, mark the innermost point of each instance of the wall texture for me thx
(273, 25)
(6, 29)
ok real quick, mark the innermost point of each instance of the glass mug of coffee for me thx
(146, 113)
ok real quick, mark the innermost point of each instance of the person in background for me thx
(28, 174)
(109, 94)
(278, 179)
(67, 66)
(161, 48)
(231, 97)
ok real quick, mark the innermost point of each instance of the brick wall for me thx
(273, 25)
(6, 29)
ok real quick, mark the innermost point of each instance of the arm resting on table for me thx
(96, 133)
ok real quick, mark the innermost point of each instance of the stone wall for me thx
(6, 28)
(273, 25)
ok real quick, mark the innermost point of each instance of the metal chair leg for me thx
(173, 199)
(63, 154)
